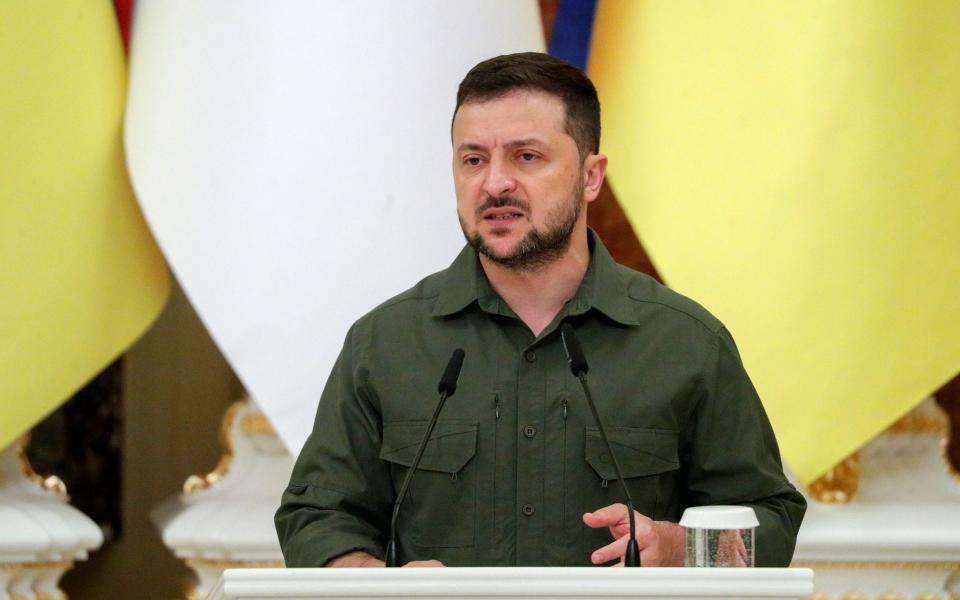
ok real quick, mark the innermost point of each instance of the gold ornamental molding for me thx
(256, 423)
(212, 563)
(936, 423)
(921, 425)
(195, 483)
(28, 566)
(51, 483)
(840, 484)
(862, 565)
(884, 596)
(252, 424)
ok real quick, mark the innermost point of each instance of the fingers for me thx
(653, 552)
(608, 516)
(615, 517)
(650, 555)
(644, 528)
(611, 551)
(731, 549)
(660, 542)
(420, 564)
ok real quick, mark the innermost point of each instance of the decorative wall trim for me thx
(256, 424)
(195, 483)
(203, 563)
(852, 565)
(25, 566)
(885, 596)
(51, 483)
(840, 484)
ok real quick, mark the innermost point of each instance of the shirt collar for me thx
(603, 286)
(464, 283)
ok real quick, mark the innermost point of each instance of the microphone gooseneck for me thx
(579, 368)
(446, 388)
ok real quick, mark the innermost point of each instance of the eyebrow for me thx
(470, 147)
(510, 146)
(525, 142)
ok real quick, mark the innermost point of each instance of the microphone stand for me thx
(579, 367)
(632, 556)
(392, 545)
(448, 385)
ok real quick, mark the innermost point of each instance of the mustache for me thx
(492, 202)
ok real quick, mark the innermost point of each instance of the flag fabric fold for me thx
(293, 160)
(795, 166)
(80, 275)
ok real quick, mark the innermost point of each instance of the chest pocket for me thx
(440, 508)
(648, 459)
(640, 452)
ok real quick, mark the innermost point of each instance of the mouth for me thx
(502, 214)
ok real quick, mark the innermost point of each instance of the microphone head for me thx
(575, 356)
(448, 383)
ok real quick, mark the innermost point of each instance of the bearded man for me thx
(515, 472)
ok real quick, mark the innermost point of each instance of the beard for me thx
(539, 247)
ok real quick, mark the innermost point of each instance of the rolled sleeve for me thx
(734, 457)
(321, 527)
(340, 492)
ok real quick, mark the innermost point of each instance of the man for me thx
(515, 472)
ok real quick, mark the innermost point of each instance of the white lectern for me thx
(514, 582)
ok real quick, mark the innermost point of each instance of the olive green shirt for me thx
(516, 458)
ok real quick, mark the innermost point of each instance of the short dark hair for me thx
(501, 75)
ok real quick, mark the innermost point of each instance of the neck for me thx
(537, 295)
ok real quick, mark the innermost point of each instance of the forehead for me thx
(517, 114)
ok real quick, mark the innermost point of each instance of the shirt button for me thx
(528, 509)
(529, 431)
(531, 356)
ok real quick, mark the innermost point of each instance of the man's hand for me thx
(359, 558)
(424, 564)
(731, 551)
(661, 542)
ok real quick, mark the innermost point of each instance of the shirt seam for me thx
(715, 329)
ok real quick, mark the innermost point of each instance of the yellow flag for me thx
(80, 275)
(795, 167)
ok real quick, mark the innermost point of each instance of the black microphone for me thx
(446, 388)
(571, 345)
(579, 368)
(448, 381)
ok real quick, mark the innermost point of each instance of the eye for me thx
(472, 161)
(528, 156)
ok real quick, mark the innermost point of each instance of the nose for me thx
(499, 180)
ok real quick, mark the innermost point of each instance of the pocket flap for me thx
(452, 444)
(639, 451)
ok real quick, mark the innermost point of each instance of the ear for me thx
(594, 170)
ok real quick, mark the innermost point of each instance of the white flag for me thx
(293, 161)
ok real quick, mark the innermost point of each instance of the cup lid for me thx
(719, 517)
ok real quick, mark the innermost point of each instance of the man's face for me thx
(518, 177)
